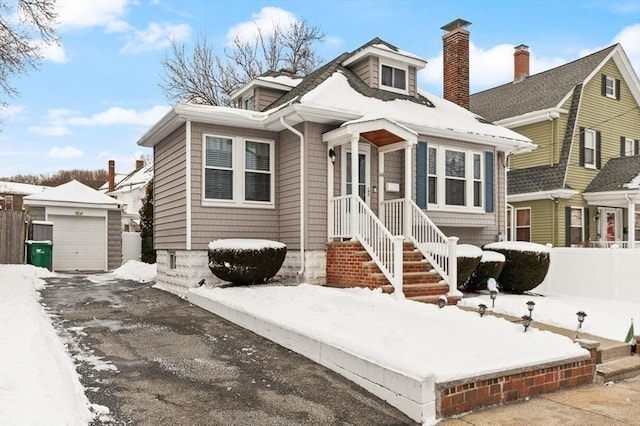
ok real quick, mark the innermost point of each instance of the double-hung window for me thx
(393, 78)
(523, 224)
(610, 87)
(238, 172)
(589, 148)
(628, 147)
(455, 178)
(577, 225)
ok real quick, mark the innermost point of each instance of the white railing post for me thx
(397, 266)
(355, 183)
(408, 189)
(452, 260)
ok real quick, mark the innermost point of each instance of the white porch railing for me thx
(610, 244)
(434, 245)
(384, 248)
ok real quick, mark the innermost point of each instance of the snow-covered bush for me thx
(525, 266)
(468, 259)
(490, 266)
(244, 261)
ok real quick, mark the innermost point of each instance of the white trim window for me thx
(629, 147)
(394, 78)
(523, 224)
(455, 179)
(237, 172)
(610, 87)
(590, 148)
(577, 226)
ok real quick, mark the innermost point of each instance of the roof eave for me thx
(73, 204)
(532, 117)
(563, 194)
(612, 198)
(396, 56)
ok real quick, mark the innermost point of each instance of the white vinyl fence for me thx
(131, 246)
(608, 273)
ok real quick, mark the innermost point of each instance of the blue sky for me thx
(98, 92)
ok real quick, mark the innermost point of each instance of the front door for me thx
(364, 171)
(610, 225)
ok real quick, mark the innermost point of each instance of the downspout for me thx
(554, 211)
(631, 222)
(188, 185)
(509, 235)
(302, 164)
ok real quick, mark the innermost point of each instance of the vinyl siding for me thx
(114, 239)
(363, 69)
(316, 186)
(212, 223)
(265, 96)
(543, 214)
(412, 86)
(288, 189)
(543, 134)
(169, 190)
(612, 118)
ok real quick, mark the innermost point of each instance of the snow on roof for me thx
(20, 188)
(72, 192)
(117, 179)
(281, 79)
(634, 183)
(519, 246)
(244, 244)
(136, 179)
(336, 94)
(399, 51)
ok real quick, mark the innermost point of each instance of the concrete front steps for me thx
(421, 283)
(615, 362)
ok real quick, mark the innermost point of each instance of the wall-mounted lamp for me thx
(332, 155)
(596, 217)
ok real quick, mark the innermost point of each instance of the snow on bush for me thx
(468, 259)
(525, 267)
(490, 266)
(245, 261)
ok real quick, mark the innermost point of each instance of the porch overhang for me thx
(381, 132)
(620, 199)
(563, 194)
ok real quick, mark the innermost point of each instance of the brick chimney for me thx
(139, 164)
(112, 175)
(456, 62)
(520, 63)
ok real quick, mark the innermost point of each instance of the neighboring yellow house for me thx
(581, 115)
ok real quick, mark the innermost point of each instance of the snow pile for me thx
(244, 244)
(417, 339)
(137, 271)
(605, 318)
(38, 381)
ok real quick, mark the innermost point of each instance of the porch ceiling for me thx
(381, 137)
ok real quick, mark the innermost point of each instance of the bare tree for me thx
(23, 26)
(204, 77)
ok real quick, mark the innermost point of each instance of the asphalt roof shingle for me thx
(535, 179)
(615, 174)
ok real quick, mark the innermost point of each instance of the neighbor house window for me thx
(628, 147)
(509, 227)
(523, 224)
(577, 225)
(589, 149)
(455, 178)
(394, 78)
(610, 87)
(238, 171)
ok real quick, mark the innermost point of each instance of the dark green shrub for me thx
(246, 261)
(525, 267)
(490, 266)
(468, 259)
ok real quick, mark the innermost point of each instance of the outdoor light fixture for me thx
(332, 155)
(530, 305)
(526, 322)
(482, 308)
(493, 294)
(581, 316)
(442, 301)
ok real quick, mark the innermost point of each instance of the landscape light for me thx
(482, 308)
(442, 301)
(530, 305)
(581, 316)
(493, 294)
(526, 322)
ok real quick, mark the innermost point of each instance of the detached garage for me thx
(86, 226)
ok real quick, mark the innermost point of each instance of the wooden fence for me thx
(13, 232)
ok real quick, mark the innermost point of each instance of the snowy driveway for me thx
(152, 358)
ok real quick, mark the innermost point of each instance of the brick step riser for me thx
(372, 268)
(411, 256)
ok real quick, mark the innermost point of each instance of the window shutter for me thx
(421, 175)
(488, 184)
(581, 153)
(622, 150)
(637, 147)
(617, 89)
(585, 219)
(567, 226)
(603, 85)
(598, 153)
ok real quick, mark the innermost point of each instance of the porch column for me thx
(330, 195)
(355, 188)
(631, 225)
(381, 211)
(408, 189)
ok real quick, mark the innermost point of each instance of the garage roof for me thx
(72, 193)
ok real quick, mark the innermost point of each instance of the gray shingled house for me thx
(428, 174)
(581, 115)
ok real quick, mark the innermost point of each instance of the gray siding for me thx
(169, 191)
(288, 188)
(36, 213)
(413, 87)
(114, 237)
(212, 223)
(265, 97)
(393, 173)
(316, 182)
(363, 70)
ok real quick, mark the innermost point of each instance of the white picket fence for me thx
(609, 273)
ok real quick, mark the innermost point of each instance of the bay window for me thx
(455, 178)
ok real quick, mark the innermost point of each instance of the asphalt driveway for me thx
(154, 359)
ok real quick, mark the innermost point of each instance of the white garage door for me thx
(79, 243)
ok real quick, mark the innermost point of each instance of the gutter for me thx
(302, 164)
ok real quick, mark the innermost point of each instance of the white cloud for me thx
(629, 38)
(52, 52)
(122, 116)
(64, 152)
(56, 123)
(8, 111)
(156, 37)
(107, 14)
(266, 20)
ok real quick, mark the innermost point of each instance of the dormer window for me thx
(393, 78)
(250, 103)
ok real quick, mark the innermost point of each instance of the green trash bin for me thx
(40, 253)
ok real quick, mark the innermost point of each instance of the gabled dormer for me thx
(263, 90)
(383, 66)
